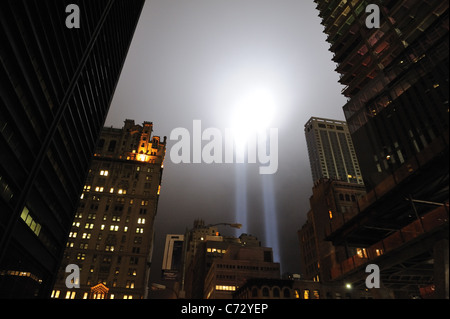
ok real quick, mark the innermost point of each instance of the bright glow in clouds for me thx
(253, 114)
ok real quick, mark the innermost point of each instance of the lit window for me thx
(331, 214)
(111, 190)
(139, 230)
(73, 234)
(316, 294)
(225, 288)
(31, 223)
(141, 221)
(361, 252)
(125, 229)
(102, 227)
(104, 173)
(306, 294)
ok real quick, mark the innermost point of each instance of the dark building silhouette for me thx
(56, 87)
(396, 82)
(331, 201)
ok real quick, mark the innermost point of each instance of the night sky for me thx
(196, 60)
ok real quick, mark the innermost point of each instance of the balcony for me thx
(427, 224)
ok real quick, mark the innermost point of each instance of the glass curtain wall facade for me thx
(57, 84)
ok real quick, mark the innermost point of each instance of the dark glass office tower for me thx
(56, 87)
(396, 82)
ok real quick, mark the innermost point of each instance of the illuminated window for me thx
(225, 288)
(316, 294)
(141, 220)
(29, 220)
(306, 294)
(81, 256)
(139, 230)
(73, 234)
(104, 173)
(69, 294)
(379, 252)
(331, 214)
(361, 252)
(55, 294)
(111, 190)
(125, 229)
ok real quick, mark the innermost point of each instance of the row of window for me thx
(112, 228)
(56, 294)
(115, 218)
(107, 259)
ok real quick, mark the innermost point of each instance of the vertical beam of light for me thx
(241, 198)
(270, 216)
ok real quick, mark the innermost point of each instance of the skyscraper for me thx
(56, 85)
(111, 239)
(331, 152)
(396, 81)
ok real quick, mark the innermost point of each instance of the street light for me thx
(182, 293)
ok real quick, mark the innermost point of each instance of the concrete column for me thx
(441, 275)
